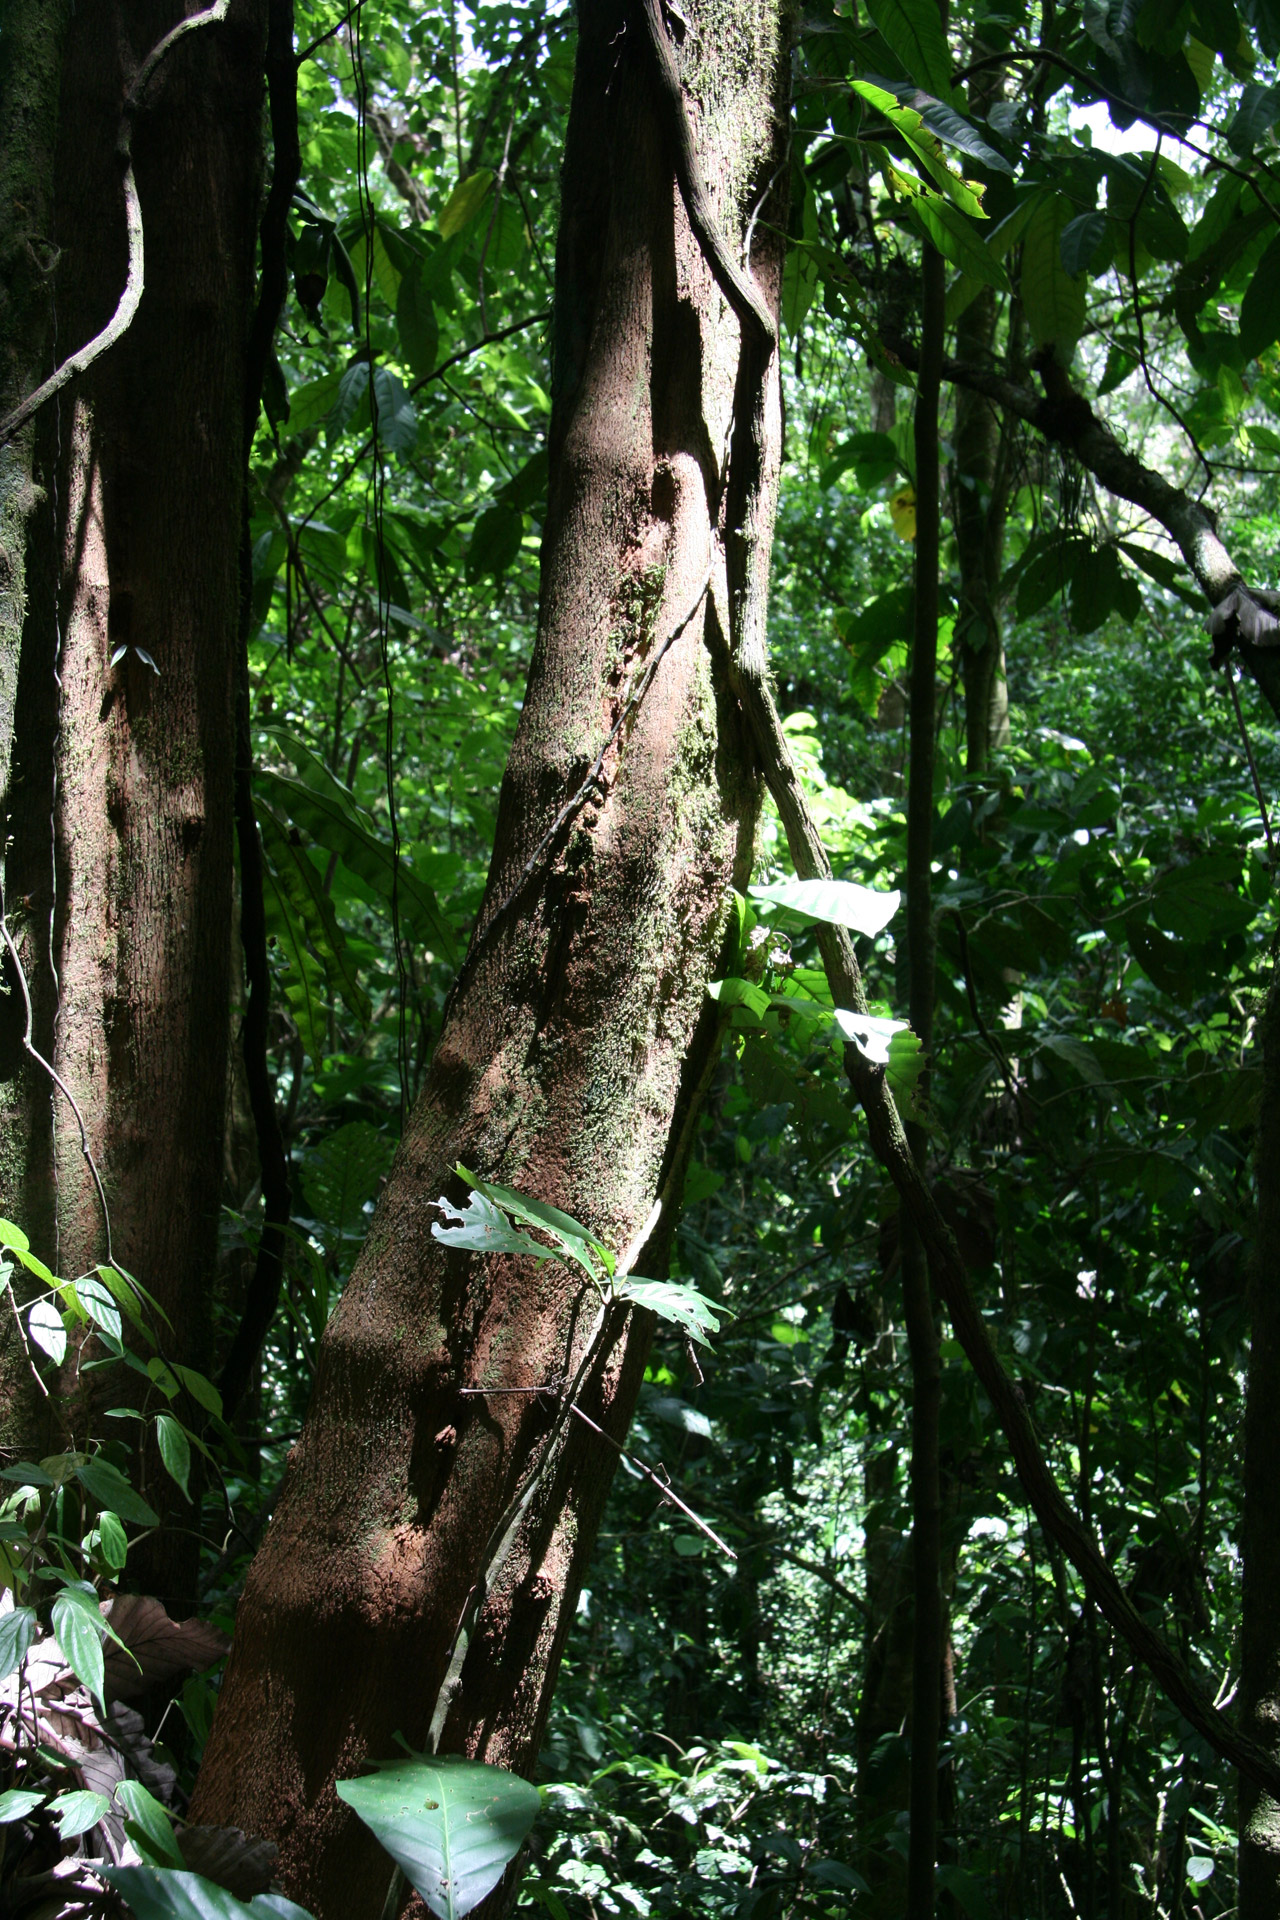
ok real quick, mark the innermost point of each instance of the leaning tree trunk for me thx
(1260, 1636)
(573, 1056)
(119, 869)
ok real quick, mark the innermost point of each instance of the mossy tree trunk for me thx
(119, 868)
(573, 1057)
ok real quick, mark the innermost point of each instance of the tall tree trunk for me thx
(31, 47)
(121, 814)
(1260, 1634)
(573, 1056)
(980, 491)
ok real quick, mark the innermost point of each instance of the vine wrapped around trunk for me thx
(577, 1044)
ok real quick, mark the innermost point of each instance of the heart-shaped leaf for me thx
(450, 1825)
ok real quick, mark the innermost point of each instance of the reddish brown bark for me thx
(121, 819)
(577, 1041)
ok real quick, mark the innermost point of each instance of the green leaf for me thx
(799, 286)
(1080, 241)
(906, 1063)
(17, 1631)
(955, 130)
(14, 1237)
(1256, 115)
(310, 404)
(393, 412)
(912, 29)
(464, 203)
(416, 322)
(1078, 1056)
(353, 390)
(175, 1450)
(452, 1826)
(870, 1033)
(295, 874)
(957, 240)
(682, 1306)
(1100, 586)
(155, 1894)
(149, 1825)
(202, 1391)
(834, 1873)
(342, 1172)
(304, 983)
(78, 1628)
(110, 1489)
(25, 1473)
(1053, 301)
(115, 1544)
(45, 1328)
(77, 1811)
(1165, 572)
(740, 993)
(16, 1803)
(873, 457)
(495, 543)
(574, 1239)
(482, 1227)
(1260, 308)
(324, 808)
(841, 903)
(97, 1302)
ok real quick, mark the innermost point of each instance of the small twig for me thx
(1253, 765)
(30, 1048)
(664, 1487)
(130, 299)
(22, 1335)
(483, 1393)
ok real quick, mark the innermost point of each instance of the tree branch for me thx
(1242, 617)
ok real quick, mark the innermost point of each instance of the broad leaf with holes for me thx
(682, 1306)
(452, 1826)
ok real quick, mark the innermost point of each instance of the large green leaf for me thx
(957, 239)
(157, 1893)
(1260, 308)
(78, 1628)
(1052, 298)
(913, 30)
(341, 1173)
(416, 322)
(318, 803)
(840, 902)
(482, 1227)
(452, 1826)
(294, 870)
(17, 1631)
(575, 1241)
(111, 1490)
(672, 1300)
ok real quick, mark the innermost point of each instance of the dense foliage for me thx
(729, 1735)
